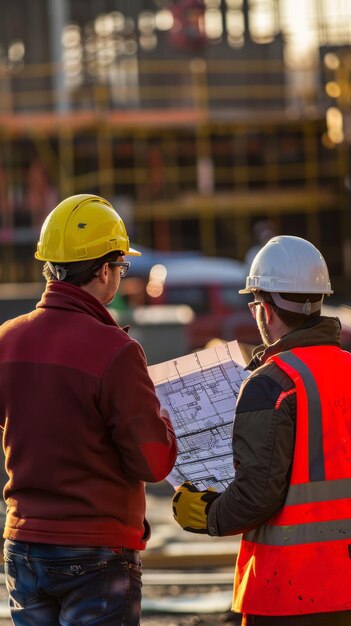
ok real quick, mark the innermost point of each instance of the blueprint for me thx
(199, 391)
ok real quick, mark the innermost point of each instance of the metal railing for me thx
(190, 83)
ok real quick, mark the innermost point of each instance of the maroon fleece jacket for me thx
(82, 425)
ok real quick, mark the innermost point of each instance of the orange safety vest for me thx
(299, 561)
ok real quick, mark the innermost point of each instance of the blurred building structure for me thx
(197, 117)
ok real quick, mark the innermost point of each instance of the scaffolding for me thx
(192, 153)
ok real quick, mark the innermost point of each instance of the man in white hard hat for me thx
(292, 453)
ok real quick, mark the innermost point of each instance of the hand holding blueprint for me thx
(200, 391)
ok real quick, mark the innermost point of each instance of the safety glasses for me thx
(123, 267)
(252, 306)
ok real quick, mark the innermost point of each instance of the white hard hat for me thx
(288, 264)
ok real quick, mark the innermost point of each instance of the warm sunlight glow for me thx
(299, 23)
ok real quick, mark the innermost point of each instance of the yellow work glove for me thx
(191, 506)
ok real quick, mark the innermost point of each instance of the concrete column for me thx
(58, 18)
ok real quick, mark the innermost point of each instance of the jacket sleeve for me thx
(144, 439)
(263, 447)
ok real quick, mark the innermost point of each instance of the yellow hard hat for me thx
(81, 228)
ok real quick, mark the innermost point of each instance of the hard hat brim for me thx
(132, 252)
(249, 290)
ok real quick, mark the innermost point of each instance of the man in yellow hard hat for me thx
(83, 432)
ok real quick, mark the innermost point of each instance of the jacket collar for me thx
(317, 331)
(60, 295)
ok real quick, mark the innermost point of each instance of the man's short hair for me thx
(79, 273)
(290, 319)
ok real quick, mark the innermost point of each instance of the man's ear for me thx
(103, 273)
(268, 311)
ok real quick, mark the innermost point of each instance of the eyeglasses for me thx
(252, 306)
(123, 267)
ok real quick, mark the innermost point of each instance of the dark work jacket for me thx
(264, 435)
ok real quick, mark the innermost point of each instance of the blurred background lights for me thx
(16, 51)
(213, 24)
(164, 20)
(331, 61)
(335, 125)
(104, 25)
(333, 89)
(71, 36)
(154, 287)
(334, 118)
(146, 22)
(164, 314)
(158, 272)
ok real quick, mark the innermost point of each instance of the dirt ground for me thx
(173, 620)
(220, 619)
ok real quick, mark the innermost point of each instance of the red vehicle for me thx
(210, 287)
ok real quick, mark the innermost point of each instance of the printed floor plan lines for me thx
(199, 391)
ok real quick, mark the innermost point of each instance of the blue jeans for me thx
(72, 586)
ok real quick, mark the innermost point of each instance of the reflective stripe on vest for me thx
(294, 534)
(315, 439)
(300, 560)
